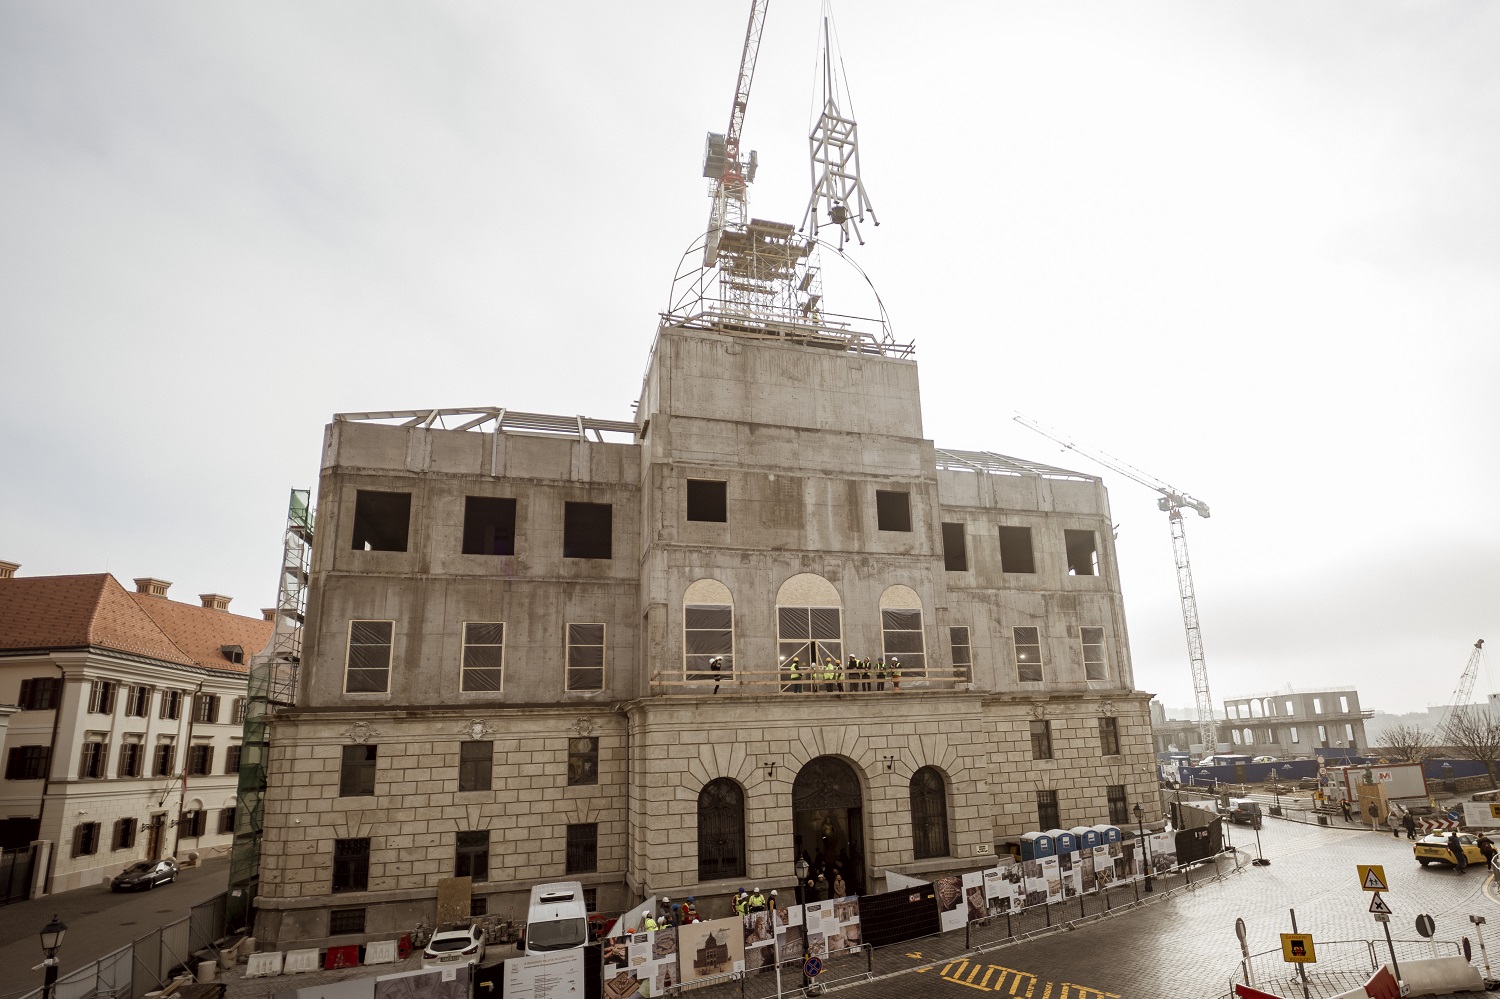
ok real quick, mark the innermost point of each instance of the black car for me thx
(145, 874)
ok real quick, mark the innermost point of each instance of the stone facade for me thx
(825, 501)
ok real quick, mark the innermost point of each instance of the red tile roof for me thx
(63, 612)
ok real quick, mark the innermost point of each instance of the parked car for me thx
(1244, 812)
(1434, 849)
(144, 875)
(449, 948)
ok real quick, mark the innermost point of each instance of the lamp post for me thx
(52, 938)
(800, 868)
(1141, 826)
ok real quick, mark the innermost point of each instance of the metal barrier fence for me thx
(1342, 965)
(147, 964)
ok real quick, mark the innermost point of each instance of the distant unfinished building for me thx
(511, 623)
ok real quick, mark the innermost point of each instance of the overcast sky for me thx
(1251, 248)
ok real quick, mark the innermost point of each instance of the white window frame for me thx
(1041, 660)
(966, 668)
(1317, 705)
(1344, 704)
(568, 647)
(1293, 730)
(349, 654)
(1083, 649)
(463, 657)
(812, 672)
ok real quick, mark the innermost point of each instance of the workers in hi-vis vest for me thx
(794, 674)
(880, 673)
(895, 673)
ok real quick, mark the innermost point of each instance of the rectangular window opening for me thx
(368, 664)
(357, 772)
(40, 693)
(1083, 553)
(708, 634)
(963, 654)
(1041, 741)
(200, 761)
(85, 839)
(226, 821)
(1109, 736)
(232, 758)
(585, 657)
(472, 856)
(382, 521)
(583, 848)
(163, 761)
(124, 837)
(489, 525)
(1016, 554)
(476, 765)
(1095, 666)
(351, 864)
(901, 635)
(708, 500)
(1047, 814)
(91, 764)
(1119, 807)
(171, 705)
(955, 550)
(27, 762)
(892, 510)
(588, 530)
(483, 656)
(479, 905)
(342, 922)
(583, 761)
(1028, 644)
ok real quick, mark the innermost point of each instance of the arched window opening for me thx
(721, 830)
(929, 814)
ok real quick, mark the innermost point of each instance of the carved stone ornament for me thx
(478, 730)
(361, 732)
(1040, 710)
(1108, 707)
(584, 727)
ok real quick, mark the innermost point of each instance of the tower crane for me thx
(1172, 501)
(728, 174)
(1463, 692)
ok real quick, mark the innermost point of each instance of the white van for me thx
(557, 918)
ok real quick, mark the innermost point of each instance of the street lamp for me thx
(800, 868)
(52, 938)
(1141, 825)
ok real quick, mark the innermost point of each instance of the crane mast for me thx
(1172, 502)
(721, 156)
(1464, 691)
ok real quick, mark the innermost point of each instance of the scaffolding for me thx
(273, 684)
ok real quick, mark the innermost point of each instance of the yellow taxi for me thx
(1434, 849)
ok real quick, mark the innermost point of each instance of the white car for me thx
(449, 948)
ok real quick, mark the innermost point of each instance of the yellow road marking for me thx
(1015, 983)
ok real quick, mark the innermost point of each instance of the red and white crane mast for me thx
(722, 165)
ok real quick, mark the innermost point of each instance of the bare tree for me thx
(1406, 743)
(1474, 735)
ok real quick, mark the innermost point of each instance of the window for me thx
(1095, 667)
(480, 906)
(357, 772)
(1119, 808)
(1083, 553)
(342, 922)
(1322, 735)
(382, 521)
(1293, 730)
(40, 693)
(587, 530)
(1317, 705)
(489, 525)
(1028, 643)
(901, 632)
(1249, 738)
(1015, 550)
(95, 752)
(1349, 734)
(124, 836)
(583, 761)
(583, 848)
(206, 709)
(27, 762)
(351, 864)
(132, 758)
(232, 759)
(1231, 710)
(476, 765)
(102, 697)
(200, 760)
(171, 705)
(483, 656)
(368, 667)
(1343, 704)
(810, 635)
(1046, 810)
(226, 821)
(1290, 708)
(721, 830)
(963, 658)
(955, 552)
(929, 814)
(1041, 740)
(471, 856)
(1109, 736)
(85, 839)
(892, 511)
(162, 763)
(708, 500)
(137, 702)
(194, 822)
(237, 712)
(585, 657)
(1234, 734)
(707, 633)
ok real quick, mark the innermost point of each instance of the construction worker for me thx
(895, 673)
(716, 664)
(690, 910)
(794, 673)
(880, 673)
(771, 901)
(853, 672)
(757, 902)
(741, 902)
(868, 669)
(648, 921)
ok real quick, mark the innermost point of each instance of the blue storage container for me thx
(1063, 841)
(1036, 845)
(1108, 834)
(1087, 837)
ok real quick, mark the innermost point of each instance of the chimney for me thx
(268, 613)
(8, 569)
(215, 601)
(152, 587)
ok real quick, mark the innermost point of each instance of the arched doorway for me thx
(828, 825)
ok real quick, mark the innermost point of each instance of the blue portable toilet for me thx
(1063, 841)
(1108, 834)
(1036, 845)
(1087, 837)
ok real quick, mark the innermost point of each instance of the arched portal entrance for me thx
(828, 820)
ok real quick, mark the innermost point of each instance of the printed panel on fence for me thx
(643, 964)
(832, 926)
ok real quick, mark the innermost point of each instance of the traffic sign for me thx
(1382, 917)
(812, 968)
(1372, 877)
(1378, 906)
(1297, 948)
(1425, 925)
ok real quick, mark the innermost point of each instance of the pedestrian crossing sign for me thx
(1297, 948)
(1378, 906)
(1372, 878)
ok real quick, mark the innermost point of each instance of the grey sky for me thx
(1251, 248)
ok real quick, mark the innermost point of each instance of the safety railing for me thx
(808, 682)
(1342, 965)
